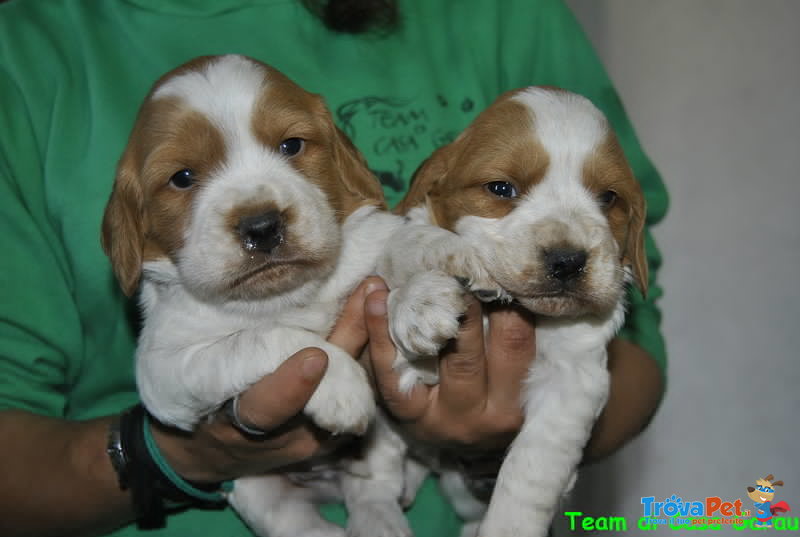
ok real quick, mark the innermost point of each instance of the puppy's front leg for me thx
(431, 272)
(566, 394)
(182, 383)
(373, 486)
(343, 402)
(419, 246)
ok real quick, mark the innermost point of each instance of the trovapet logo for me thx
(677, 512)
(713, 513)
(762, 495)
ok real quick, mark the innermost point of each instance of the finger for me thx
(381, 360)
(279, 396)
(463, 382)
(350, 331)
(510, 350)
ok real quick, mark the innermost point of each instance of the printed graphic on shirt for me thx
(397, 134)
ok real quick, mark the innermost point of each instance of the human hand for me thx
(217, 451)
(477, 405)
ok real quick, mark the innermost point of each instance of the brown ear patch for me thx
(607, 169)
(360, 184)
(329, 159)
(425, 179)
(499, 145)
(186, 139)
(122, 235)
(145, 218)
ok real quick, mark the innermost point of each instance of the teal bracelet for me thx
(179, 482)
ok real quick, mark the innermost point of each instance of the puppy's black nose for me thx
(565, 264)
(261, 232)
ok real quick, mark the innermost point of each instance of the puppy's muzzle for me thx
(262, 232)
(564, 264)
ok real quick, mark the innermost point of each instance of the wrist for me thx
(155, 487)
(179, 449)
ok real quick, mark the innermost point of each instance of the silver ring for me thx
(231, 409)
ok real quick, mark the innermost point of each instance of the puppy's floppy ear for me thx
(361, 185)
(123, 226)
(424, 181)
(634, 253)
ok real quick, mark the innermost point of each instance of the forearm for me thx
(56, 478)
(636, 389)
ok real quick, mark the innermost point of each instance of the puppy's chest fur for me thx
(183, 317)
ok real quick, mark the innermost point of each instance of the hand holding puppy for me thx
(476, 405)
(218, 451)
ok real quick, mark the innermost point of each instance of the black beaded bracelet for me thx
(155, 487)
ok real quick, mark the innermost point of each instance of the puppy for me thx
(535, 204)
(248, 218)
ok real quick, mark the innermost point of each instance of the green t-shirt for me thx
(72, 76)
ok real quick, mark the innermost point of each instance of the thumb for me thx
(282, 394)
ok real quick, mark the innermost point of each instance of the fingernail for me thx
(313, 366)
(376, 306)
(375, 285)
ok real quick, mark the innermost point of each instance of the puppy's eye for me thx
(502, 189)
(291, 146)
(607, 199)
(183, 179)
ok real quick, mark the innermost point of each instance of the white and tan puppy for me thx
(248, 218)
(536, 204)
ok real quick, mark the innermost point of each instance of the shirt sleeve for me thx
(40, 331)
(555, 51)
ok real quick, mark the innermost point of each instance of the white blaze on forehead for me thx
(565, 123)
(569, 128)
(225, 90)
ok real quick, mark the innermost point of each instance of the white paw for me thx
(343, 402)
(378, 519)
(425, 313)
(464, 265)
